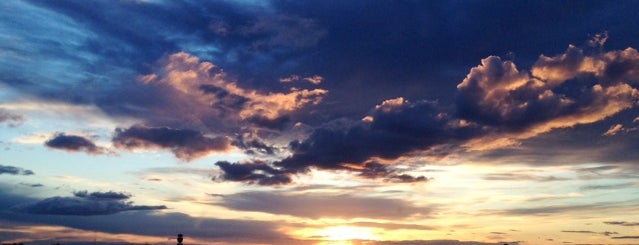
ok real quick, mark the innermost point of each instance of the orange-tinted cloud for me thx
(559, 92)
(201, 88)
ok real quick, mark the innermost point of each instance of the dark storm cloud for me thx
(394, 128)
(497, 105)
(185, 144)
(73, 143)
(316, 206)
(83, 204)
(11, 119)
(4, 169)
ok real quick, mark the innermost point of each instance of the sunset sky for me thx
(319, 122)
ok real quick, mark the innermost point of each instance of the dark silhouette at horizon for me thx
(180, 238)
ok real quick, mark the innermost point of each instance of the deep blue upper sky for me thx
(269, 95)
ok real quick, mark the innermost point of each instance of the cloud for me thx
(201, 92)
(394, 128)
(553, 197)
(185, 144)
(257, 173)
(96, 215)
(315, 79)
(559, 92)
(316, 205)
(74, 143)
(254, 146)
(155, 224)
(496, 106)
(626, 237)
(4, 169)
(614, 129)
(555, 209)
(102, 195)
(83, 204)
(12, 119)
(32, 185)
(621, 223)
(598, 40)
(608, 187)
(607, 171)
(605, 233)
(289, 79)
(397, 127)
(373, 170)
(521, 177)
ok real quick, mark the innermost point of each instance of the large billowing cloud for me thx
(186, 144)
(559, 92)
(393, 128)
(74, 143)
(497, 105)
(83, 204)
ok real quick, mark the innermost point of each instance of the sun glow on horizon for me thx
(346, 233)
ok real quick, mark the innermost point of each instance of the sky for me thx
(319, 122)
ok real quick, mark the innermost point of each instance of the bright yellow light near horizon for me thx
(345, 233)
(347, 242)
